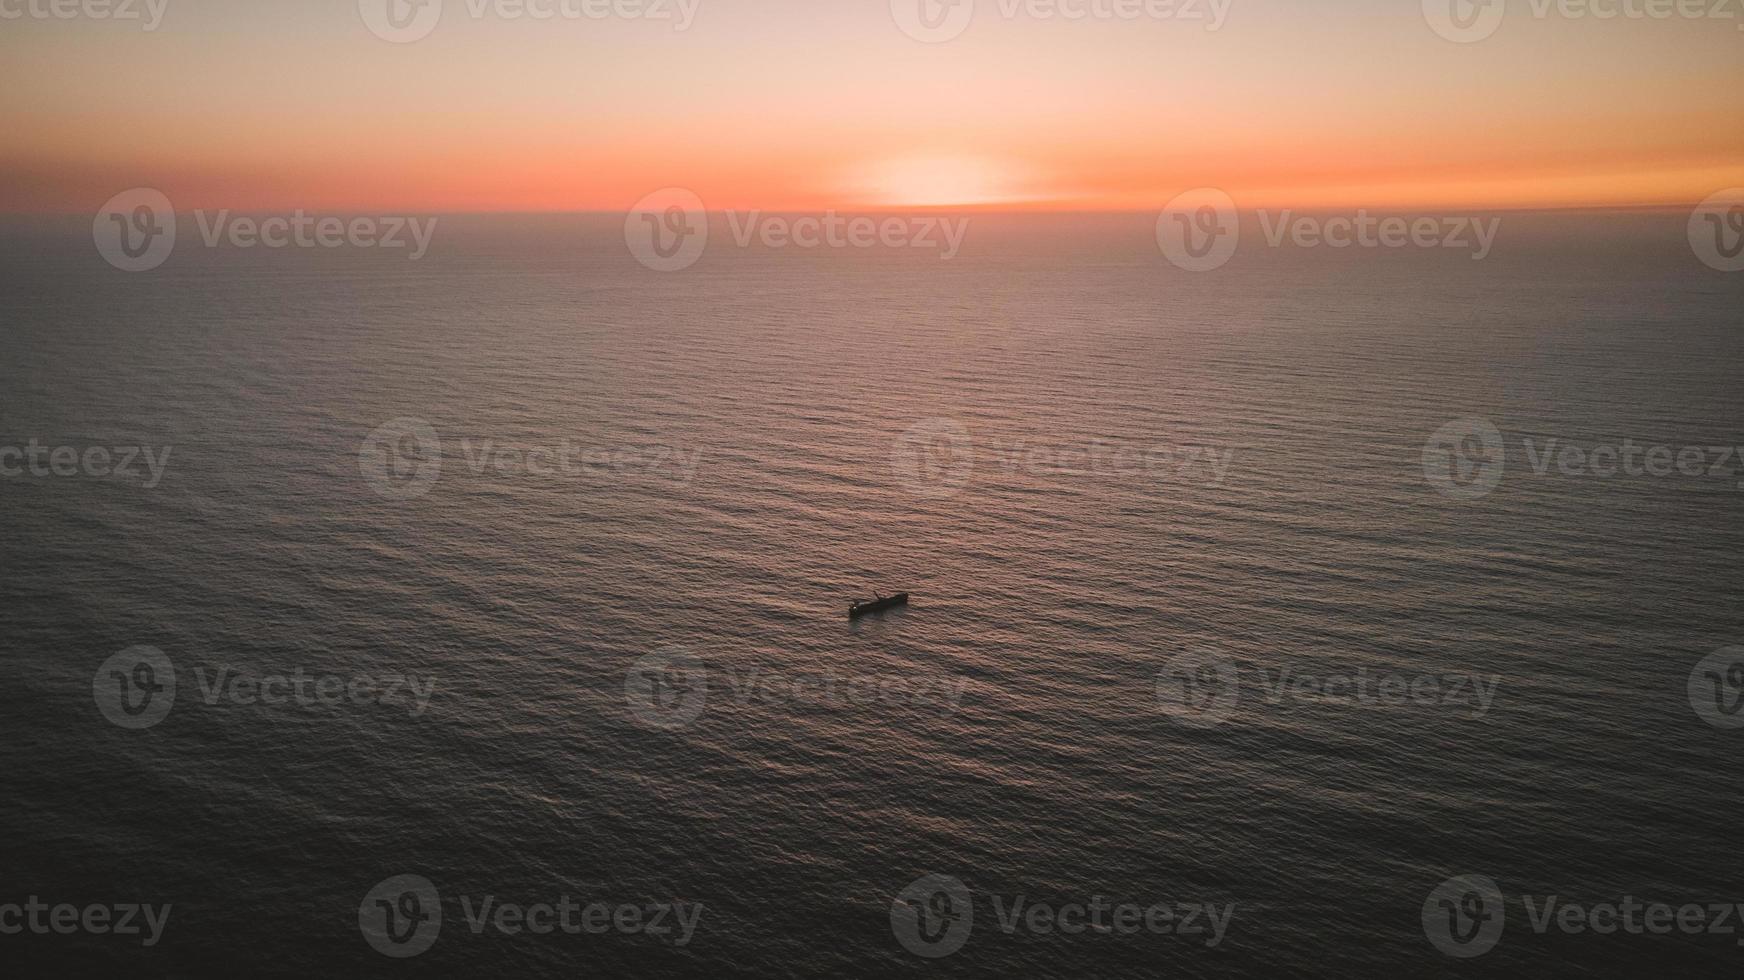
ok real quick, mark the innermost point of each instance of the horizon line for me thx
(1002, 210)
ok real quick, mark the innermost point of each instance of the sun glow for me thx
(764, 107)
(936, 181)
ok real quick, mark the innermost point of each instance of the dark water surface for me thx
(1083, 462)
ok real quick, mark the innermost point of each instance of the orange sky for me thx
(807, 104)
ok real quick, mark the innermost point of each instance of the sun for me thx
(935, 181)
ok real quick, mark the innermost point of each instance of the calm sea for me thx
(1268, 595)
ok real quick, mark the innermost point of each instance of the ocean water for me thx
(1106, 481)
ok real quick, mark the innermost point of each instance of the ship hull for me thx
(877, 605)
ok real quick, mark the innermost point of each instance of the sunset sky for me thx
(808, 104)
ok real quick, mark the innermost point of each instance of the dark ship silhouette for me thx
(877, 604)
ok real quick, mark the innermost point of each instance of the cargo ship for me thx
(877, 604)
